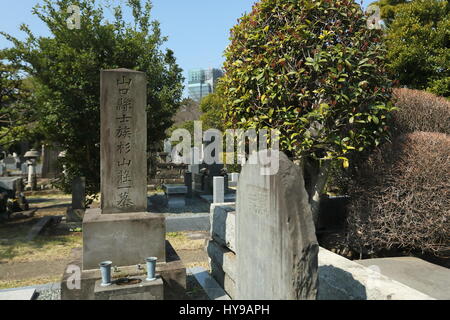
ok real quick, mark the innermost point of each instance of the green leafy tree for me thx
(66, 68)
(388, 9)
(212, 107)
(314, 71)
(418, 43)
(15, 107)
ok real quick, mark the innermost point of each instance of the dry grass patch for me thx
(180, 241)
(42, 248)
(7, 284)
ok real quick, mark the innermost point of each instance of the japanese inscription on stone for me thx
(123, 141)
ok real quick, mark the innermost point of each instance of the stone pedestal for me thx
(125, 238)
(78, 284)
(143, 290)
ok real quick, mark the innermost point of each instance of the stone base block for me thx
(74, 215)
(222, 257)
(223, 224)
(125, 239)
(80, 285)
(142, 290)
(223, 279)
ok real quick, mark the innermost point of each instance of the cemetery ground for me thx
(43, 259)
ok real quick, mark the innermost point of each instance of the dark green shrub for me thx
(314, 71)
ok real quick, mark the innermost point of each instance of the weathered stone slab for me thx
(209, 284)
(124, 239)
(222, 257)
(343, 279)
(25, 294)
(416, 273)
(276, 242)
(145, 290)
(123, 141)
(223, 279)
(223, 222)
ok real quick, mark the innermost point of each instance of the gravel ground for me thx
(49, 294)
(193, 291)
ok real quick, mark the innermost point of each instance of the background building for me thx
(202, 82)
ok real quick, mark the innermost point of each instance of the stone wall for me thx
(339, 278)
(221, 248)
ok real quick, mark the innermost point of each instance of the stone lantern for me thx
(31, 157)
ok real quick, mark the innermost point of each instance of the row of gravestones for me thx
(22, 168)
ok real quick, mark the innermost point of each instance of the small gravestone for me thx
(76, 212)
(276, 243)
(24, 168)
(188, 183)
(10, 163)
(79, 193)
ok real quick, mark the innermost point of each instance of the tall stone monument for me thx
(121, 230)
(276, 243)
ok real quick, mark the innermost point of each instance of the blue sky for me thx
(198, 30)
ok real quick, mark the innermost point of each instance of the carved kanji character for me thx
(124, 118)
(123, 147)
(124, 85)
(124, 162)
(124, 104)
(123, 131)
(123, 176)
(124, 200)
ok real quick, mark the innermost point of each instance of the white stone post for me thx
(218, 189)
(31, 172)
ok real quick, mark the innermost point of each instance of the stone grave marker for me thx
(121, 230)
(276, 243)
(79, 193)
(123, 141)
